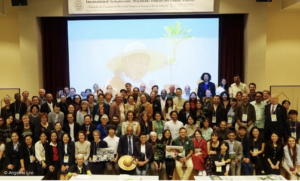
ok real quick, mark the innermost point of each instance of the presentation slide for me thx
(145, 51)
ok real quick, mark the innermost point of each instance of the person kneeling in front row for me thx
(79, 167)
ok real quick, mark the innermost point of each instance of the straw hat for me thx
(157, 59)
(179, 148)
(126, 163)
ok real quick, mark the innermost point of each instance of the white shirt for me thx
(112, 142)
(162, 103)
(39, 151)
(143, 150)
(66, 148)
(241, 87)
(173, 127)
(50, 106)
(72, 131)
(178, 102)
(271, 107)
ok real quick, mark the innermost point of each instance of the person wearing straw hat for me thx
(133, 64)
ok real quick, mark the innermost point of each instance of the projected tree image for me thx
(176, 35)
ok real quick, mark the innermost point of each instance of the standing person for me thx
(7, 128)
(42, 98)
(193, 100)
(97, 167)
(238, 86)
(174, 125)
(25, 129)
(259, 106)
(144, 105)
(172, 93)
(185, 112)
(66, 150)
(158, 125)
(257, 147)
(103, 127)
(48, 106)
(273, 155)
(131, 122)
(71, 96)
(235, 153)
(117, 108)
(145, 125)
(169, 107)
(231, 121)
(130, 105)
(291, 160)
(178, 100)
(206, 130)
(91, 102)
(112, 142)
(71, 128)
(225, 101)
(58, 129)
(247, 168)
(82, 146)
(216, 113)
(163, 96)
(2, 150)
(191, 127)
(18, 109)
(252, 93)
(108, 98)
(100, 109)
(222, 131)
(115, 122)
(266, 97)
(84, 110)
(200, 112)
(143, 154)
(77, 103)
(35, 101)
(40, 154)
(286, 104)
(29, 156)
(187, 90)
(52, 157)
(63, 105)
(239, 97)
(5, 110)
(213, 146)
(169, 162)
(25, 99)
(292, 126)
(188, 146)
(200, 154)
(245, 114)
(56, 116)
(206, 85)
(222, 160)
(223, 87)
(34, 116)
(43, 126)
(275, 118)
(156, 106)
(88, 128)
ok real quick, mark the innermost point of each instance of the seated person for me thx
(222, 160)
(79, 167)
(200, 154)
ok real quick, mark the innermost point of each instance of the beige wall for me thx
(270, 37)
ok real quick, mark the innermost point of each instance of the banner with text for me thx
(139, 6)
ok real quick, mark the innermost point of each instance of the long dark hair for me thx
(141, 121)
(294, 157)
(221, 96)
(165, 140)
(226, 87)
(75, 98)
(252, 137)
(278, 142)
(186, 102)
(167, 105)
(190, 100)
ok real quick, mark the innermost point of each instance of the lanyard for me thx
(222, 157)
(9, 130)
(253, 144)
(95, 146)
(243, 109)
(16, 107)
(29, 151)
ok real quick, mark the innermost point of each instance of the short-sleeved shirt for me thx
(188, 144)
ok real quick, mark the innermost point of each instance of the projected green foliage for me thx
(176, 35)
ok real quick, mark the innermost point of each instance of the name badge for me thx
(229, 120)
(219, 169)
(31, 159)
(94, 158)
(156, 157)
(66, 159)
(293, 134)
(197, 150)
(255, 150)
(17, 116)
(159, 136)
(232, 155)
(8, 140)
(96, 117)
(258, 117)
(214, 119)
(273, 117)
(244, 118)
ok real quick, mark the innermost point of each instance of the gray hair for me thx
(104, 116)
(153, 133)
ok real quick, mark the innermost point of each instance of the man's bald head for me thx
(129, 130)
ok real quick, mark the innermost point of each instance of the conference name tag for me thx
(258, 117)
(273, 117)
(96, 117)
(17, 116)
(229, 120)
(244, 118)
(159, 136)
(232, 155)
(197, 150)
(66, 159)
(214, 119)
(219, 169)
(255, 150)
(8, 140)
(294, 134)
(31, 159)
(94, 158)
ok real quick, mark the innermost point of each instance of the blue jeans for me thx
(247, 168)
(144, 171)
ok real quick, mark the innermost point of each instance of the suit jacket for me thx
(277, 126)
(96, 111)
(288, 130)
(52, 115)
(246, 146)
(123, 145)
(148, 149)
(66, 129)
(201, 89)
(9, 150)
(182, 116)
(156, 107)
(45, 108)
(91, 129)
(14, 106)
(237, 148)
(70, 153)
(69, 100)
(220, 114)
(49, 154)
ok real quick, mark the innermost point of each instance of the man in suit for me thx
(292, 126)
(18, 109)
(56, 116)
(71, 97)
(216, 113)
(71, 127)
(275, 118)
(235, 153)
(48, 106)
(88, 128)
(178, 100)
(206, 84)
(126, 145)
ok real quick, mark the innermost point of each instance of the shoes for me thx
(204, 173)
(200, 173)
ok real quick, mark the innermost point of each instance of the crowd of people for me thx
(224, 130)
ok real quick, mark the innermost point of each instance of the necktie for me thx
(129, 147)
(272, 110)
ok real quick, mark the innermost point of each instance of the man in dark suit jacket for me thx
(88, 128)
(126, 146)
(67, 127)
(216, 113)
(18, 109)
(292, 126)
(48, 106)
(275, 118)
(206, 84)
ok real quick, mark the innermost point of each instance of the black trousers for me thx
(14, 171)
(53, 175)
(259, 166)
(97, 168)
(170, 166)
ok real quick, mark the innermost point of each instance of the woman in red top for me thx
(52, 157)
(200, 152)
(193, 100)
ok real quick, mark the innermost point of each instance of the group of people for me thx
(221, 131)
